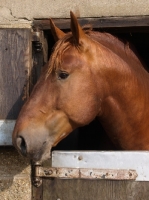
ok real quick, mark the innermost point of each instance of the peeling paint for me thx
(9, 20)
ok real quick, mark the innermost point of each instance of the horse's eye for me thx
(62, 75)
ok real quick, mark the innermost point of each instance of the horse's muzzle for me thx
(35, 147)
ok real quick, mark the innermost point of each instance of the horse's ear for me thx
(56, 32)
(77, 32)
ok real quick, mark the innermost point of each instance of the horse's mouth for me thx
(41, 155)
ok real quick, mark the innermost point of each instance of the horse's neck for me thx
(124, 114)
(123, 49)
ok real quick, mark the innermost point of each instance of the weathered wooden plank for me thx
(15, 62)
(102, 22)
(60, 189)
(80, 173)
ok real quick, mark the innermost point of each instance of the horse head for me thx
(65, 96)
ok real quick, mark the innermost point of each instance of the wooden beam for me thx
(102, 22)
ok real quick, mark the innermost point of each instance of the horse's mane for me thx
(119, 47)
(122, 48)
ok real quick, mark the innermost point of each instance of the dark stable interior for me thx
(93, 136)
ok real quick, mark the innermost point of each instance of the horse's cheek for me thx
(79, 101)
(81, 110)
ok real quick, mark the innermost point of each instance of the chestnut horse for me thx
(89, 74)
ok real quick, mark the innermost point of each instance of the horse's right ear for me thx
(78, 34)
(56, 32)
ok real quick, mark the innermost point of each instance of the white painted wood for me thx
(134, 160)
(6, 128)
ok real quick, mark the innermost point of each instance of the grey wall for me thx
(12, 11)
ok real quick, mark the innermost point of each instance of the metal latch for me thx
(37, 39)
(40, 42)
(81, 173)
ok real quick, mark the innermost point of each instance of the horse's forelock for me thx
(60, 47)
(56, 57)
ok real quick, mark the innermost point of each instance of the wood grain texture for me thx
(102, 22)
(94, 190)
(15, 64)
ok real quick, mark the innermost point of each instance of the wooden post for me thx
(15, 67)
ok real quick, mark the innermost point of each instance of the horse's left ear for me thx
(77, 32)
(56, 32)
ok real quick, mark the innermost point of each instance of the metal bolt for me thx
(37, 181)
(48, 172)
(80, 158)
(130, 174)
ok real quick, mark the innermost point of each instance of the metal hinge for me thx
(39, 54)
(40, 42)
(81, 173)
(37, 39)
(36, 178)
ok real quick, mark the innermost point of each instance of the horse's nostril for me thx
(21, 145)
